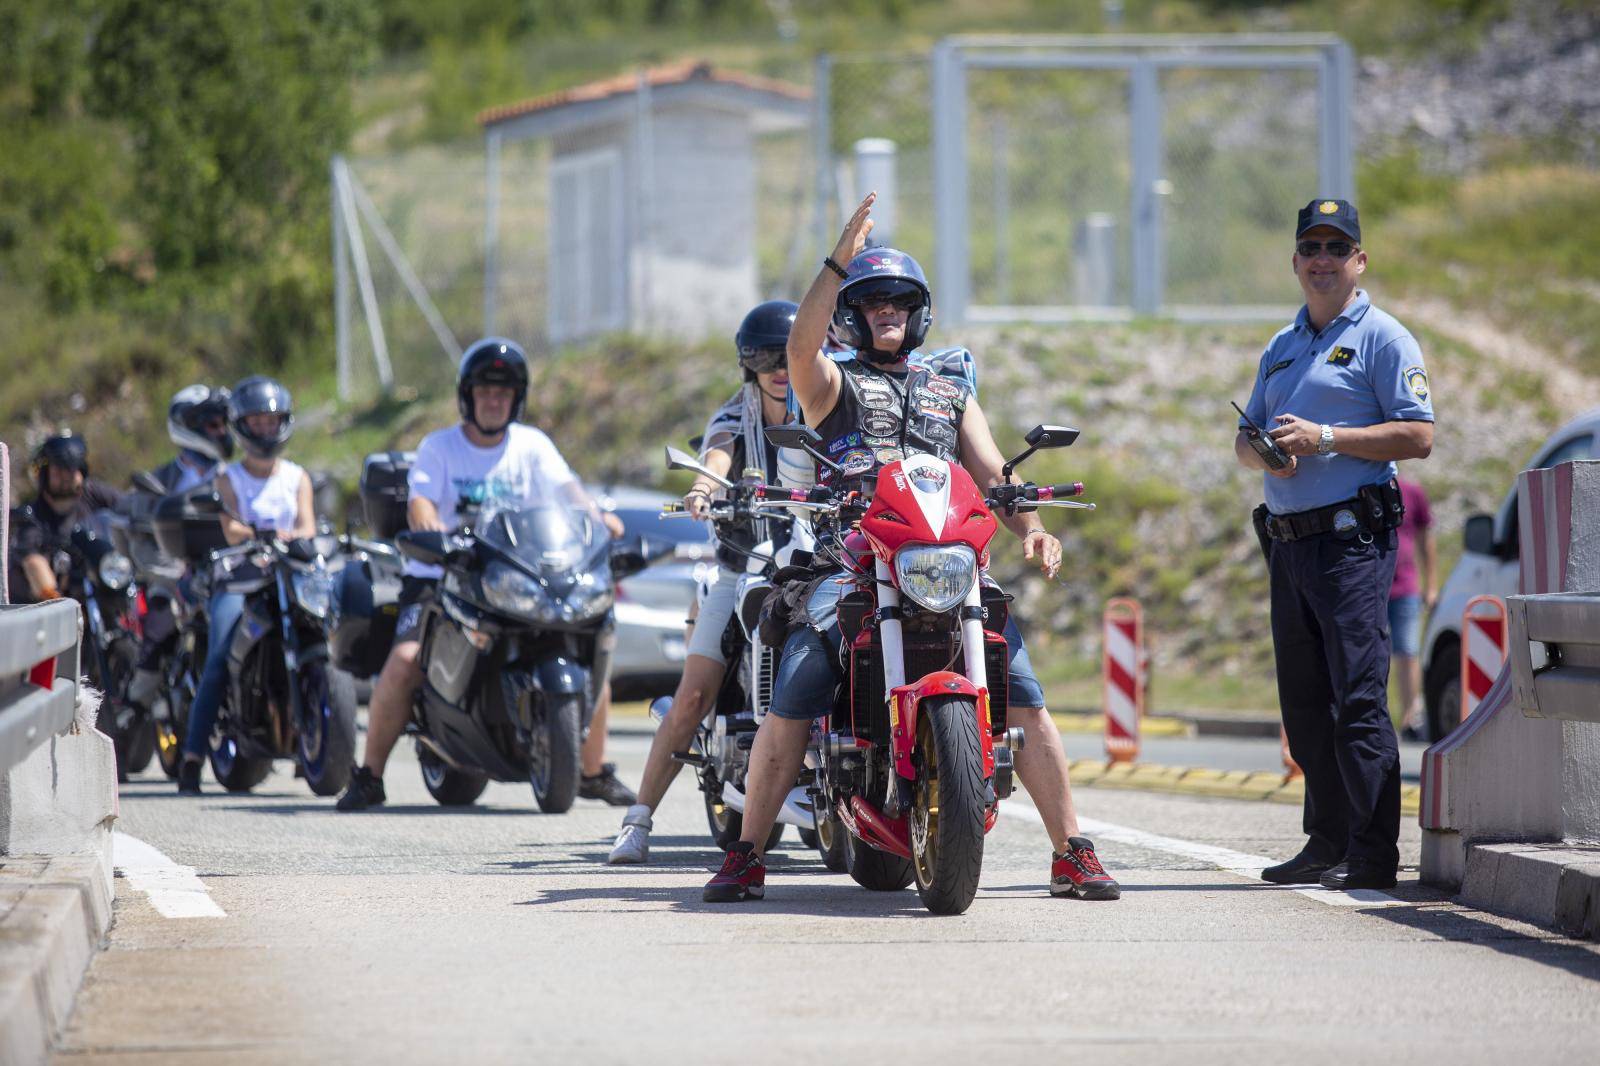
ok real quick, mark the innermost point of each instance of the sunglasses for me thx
(1312, 249)
(763, 360)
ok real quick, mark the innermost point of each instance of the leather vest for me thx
(881, 418)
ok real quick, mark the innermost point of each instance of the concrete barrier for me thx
(1511, 800)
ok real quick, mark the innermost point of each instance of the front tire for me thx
(449, 787)
(553, 755)
(235, 772)
(949, 806)
(327, 742)
(727, 824)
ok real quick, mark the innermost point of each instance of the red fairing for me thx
(908, 705)
(923, 500)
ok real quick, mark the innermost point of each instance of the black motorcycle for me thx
(515, 647)
(92, 571)
(284, 698)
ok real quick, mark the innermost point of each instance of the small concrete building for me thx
(652, 196)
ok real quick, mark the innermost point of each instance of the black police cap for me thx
(1340, 214)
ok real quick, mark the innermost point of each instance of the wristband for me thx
(828, 262)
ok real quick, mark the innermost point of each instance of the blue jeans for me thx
(1405, 625)
(226, 607)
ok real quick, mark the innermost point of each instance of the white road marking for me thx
(1226, 859)
(175, 891)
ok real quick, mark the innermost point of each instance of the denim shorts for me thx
(810, 668)
(1405, 625)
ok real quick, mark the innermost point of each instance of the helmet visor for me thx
(898, 292)
(763, 360)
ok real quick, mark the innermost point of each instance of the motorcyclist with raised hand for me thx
(263, 493)
(506, 463)
(871, 410)
(40, 528)
(733, 442)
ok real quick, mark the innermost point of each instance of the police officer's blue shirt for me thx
(1362, 369)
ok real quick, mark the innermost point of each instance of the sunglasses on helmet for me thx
(763, 360)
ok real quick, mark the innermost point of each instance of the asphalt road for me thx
(495, 935)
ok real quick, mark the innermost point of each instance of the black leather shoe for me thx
(1300, 870)
(1346, 876)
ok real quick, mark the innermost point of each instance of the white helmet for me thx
(191, 409)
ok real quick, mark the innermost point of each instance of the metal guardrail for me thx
(39, 652)
(1555, 655)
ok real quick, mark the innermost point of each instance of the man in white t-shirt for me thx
(492, 458)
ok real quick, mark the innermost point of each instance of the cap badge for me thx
(1329, 207)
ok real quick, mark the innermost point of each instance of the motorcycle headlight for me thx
(936, 576)
(508, 589)
(313, 591)
(591, 595)
(116, 571)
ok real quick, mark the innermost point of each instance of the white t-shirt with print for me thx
(522, 470)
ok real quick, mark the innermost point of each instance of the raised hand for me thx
(854, 237)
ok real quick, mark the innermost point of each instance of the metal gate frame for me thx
(1143, 57)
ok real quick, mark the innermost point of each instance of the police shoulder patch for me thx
(1416, 379)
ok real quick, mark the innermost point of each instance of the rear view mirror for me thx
(677, 460)
(793, 436)
(1050, 437)
(204, 500)
(1478, 537)
(145, 481)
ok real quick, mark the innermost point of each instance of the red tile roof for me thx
(622, 84)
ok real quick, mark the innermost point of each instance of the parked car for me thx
(1489, 565)
(652, 604)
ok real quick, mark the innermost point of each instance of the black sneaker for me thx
(189, 778)
(364, 791)
(605, 786)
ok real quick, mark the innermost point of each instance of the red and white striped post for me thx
(1483, 649)
(1122, 634)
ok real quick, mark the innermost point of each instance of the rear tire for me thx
(949, 807)
(874, 870)
(831, 839)
(141, 745)
(330, 701)
(553, 758)
(1443, 688)
(449, 787)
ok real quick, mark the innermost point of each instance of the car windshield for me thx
(552, 536)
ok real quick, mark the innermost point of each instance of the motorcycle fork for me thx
(291, 648)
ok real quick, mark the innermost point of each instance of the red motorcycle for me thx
(916, 756)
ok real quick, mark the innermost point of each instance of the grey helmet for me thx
(259, 395)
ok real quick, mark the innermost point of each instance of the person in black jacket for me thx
(40, 527)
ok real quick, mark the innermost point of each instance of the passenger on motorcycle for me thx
(733, 441)
(509, 464)
(872, 410)
(40, 528)
(266, 493)
(197, 422)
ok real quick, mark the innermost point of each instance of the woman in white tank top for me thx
(269, 493)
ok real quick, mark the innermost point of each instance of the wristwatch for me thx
(1325, 445)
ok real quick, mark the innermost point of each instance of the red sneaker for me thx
(1078, 873)
(743, 876)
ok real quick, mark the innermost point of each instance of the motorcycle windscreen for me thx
(553, 538)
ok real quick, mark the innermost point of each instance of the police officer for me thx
(1343, 393)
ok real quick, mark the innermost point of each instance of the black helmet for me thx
(261, 396)
(874, 276)
(492, 361)
(763, 337)
(65, 449)
(191, 408)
